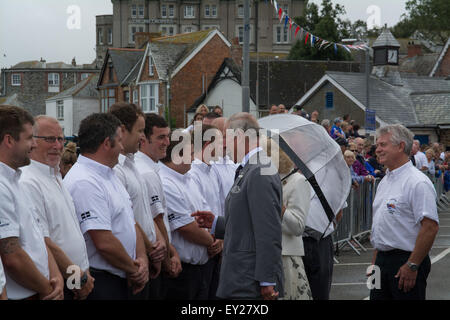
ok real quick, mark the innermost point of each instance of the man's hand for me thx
(204, 219)
(83, 293)
(173, 266)
(155, 270)
(215, 248)
(57, 284)
(141, 276)
(159, 251)
(268, 293)
(407, 279)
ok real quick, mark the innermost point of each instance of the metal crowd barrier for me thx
(356, 222)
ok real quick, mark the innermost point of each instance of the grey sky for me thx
(31, 29)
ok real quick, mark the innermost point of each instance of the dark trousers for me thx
(156, 288)
(389, 263)
(212, 274)
(108, 286)
(318, 262)
(189, 285)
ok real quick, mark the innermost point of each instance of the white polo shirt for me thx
(101, 203)
(183, 198)
(18, 219)
(225, 170)
(2, 277)
(208, 183)
(127, 173)
(55, 209)
(421, 160)
(404, 197)
(148, 171)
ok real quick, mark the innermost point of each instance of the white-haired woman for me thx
(296, 202)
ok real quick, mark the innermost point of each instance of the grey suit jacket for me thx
(251, 230)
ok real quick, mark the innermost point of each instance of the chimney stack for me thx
(236, 51)
(414, 49)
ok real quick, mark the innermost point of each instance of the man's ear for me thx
(8, 141)
(106, 143)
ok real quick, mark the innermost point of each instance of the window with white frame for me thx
(16, 79)
(171, 11)
(108, 97)
(240, 33)
(133, 11)
(163, 11)
(150, 66)
(167, 30)
(60, 110)
(149, 97)
(187, 29)
(141, 11)
(133, 30)
(189, 12)
(282, 34)
(285, 8)
(100, 36)
(135, 96)
(210, 26)
(53, 79)
(207, 12)
(213, 11)
(240, 11)
(110, 37)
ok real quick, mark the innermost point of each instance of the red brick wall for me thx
(444, 68)
(145, 76)
(445, 137)
(186, 86)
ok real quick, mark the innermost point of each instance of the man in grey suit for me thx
(251, 229)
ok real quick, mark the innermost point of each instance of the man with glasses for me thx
(54, 206)
(31, 271)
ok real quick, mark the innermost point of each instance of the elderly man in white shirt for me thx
(133, 125)
(405, 220)
(153, 147)
(421, 161)
(31, 271)
(192, 242)
(116, 250)
(54, 207)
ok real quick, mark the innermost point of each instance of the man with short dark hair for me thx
(209, 118)
(116, 250)
(218, 110)
(31, 270)
(153, 147)
(273, 110)
(133, 125)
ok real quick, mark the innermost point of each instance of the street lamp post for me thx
(246, 55)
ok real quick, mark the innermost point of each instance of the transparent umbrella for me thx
(321, 155)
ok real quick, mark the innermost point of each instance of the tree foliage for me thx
(326, 24)
(430, 17)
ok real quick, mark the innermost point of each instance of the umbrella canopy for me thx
(318, 151)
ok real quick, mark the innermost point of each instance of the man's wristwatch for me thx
(84, 279)
(412, 266)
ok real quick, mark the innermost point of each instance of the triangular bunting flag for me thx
(335, 49)
(290, 24)
(306, 39)
(286, 21)
(280, 13)
(296, 31)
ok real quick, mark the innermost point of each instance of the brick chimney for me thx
(236, 51)
(141, 38)
(414, 49)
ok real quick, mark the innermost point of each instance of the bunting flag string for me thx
(315, 41)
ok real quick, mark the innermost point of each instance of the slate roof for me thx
(420, 101)
(166, 55)
(386, 39)
(50, 65)
(421, 65)
(85, 88)
(432, 109)
(124, 60)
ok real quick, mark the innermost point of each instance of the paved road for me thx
(349, 280)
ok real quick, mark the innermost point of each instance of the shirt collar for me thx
(125, 158)
(154, 165)
(173, 173)
(249, 155)
(399, 170)
(10, 173)
(96, 166)
(45, 169)
(201, 165)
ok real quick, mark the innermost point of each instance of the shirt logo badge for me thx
(85, 215)
(392, 206)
